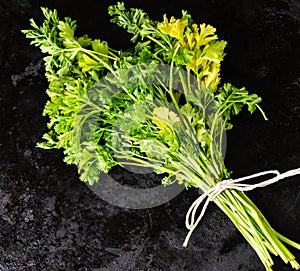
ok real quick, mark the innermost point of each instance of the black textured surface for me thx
(51, 221)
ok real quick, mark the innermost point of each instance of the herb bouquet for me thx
(159, 105)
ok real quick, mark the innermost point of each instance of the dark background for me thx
(51, 221)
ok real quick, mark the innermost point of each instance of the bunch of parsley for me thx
(123, 119)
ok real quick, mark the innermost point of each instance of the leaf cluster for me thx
(103, 107)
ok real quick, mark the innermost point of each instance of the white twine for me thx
(236, 184)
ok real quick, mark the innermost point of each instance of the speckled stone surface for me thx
(51, 221)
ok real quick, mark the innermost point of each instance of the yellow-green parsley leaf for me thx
(175, 27)
(162, 117)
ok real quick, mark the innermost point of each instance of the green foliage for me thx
(123, 116)
(133, 20)
(109, 107)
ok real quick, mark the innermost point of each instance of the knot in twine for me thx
(236, 184)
